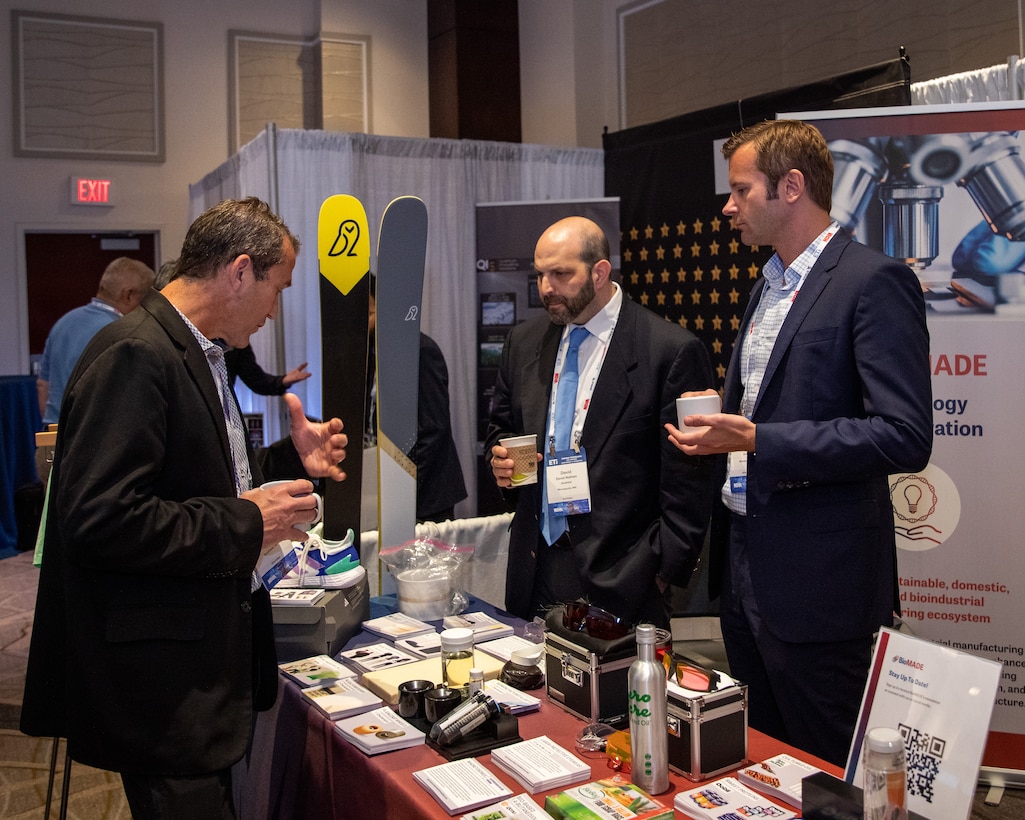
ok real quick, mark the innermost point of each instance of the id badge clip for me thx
(569, 491)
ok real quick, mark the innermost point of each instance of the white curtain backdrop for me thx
(303, 168)
(993, 84)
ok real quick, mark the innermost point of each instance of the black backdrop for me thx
(680, 256)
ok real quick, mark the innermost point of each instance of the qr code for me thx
(924, 753)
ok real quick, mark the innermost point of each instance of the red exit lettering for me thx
(93, 191)
(959, 364)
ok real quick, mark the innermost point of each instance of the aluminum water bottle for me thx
(649, 735)
(885, 770)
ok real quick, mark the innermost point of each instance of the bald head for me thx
(571, 260)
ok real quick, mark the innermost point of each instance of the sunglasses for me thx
(690, 675)
(595, 621)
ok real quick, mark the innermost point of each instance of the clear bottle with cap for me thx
(646, 705)
(885, 775)
(457, 657)
(476, 681)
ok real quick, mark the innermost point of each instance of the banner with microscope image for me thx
(507, 293)
(943, 188)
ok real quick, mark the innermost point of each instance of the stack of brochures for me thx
(427, 645)
(315, 671)
(727, 797)
(519, 807)
(610, 797)
(295, 597)
(540, 764)
(483, 625)
(462, 785)
(380, 730)
(342, 698)
(510, 699)
(779, 777)
(502, 648)
(397, 625)
(375, 656)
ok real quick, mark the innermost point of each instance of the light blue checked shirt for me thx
(781, 288)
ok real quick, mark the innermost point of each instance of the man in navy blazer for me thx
(828, 393)
(152, 644)
(649, 504)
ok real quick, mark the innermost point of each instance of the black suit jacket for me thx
(147, 642)
(650, 504)
(846, 400)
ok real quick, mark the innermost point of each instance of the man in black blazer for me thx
(152, 643)
(827, 394)
(649, 504)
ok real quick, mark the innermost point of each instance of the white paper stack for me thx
(315, 671)
(483, 625)
(541, 764)
(462, 785)
(342, 698)
(727, 797)
(502, 648)
(380, 730)
(779, 777)
(427, 645)
(375, 656)
(397, 625)
(520, 807)
(512, 700)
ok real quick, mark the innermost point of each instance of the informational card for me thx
(940, 700)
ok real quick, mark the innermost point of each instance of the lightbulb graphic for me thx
(912, 494)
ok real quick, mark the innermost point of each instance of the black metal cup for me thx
(412, 705)
(440, 701)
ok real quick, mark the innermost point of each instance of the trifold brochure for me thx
(483, 625)
(511, 700)
(727, 797)
(341, 698)
(375, 656)
(612, 797)
(379, 730)
(502, 648)
(518, 807)
(779, 777)
(315, 671)
(427, 645)
(940, 700)
(540, 764)
(397, 625)
(462, 785)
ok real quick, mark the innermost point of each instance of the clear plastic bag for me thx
(429, 577)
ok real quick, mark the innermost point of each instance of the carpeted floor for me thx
(25, 761)
(97, 795)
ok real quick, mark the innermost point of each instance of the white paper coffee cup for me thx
(523, 451)
(320, 503)
(696, 405)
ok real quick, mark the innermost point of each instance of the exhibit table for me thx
(300, 767)
(19, 423)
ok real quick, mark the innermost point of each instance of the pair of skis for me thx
(343, 249)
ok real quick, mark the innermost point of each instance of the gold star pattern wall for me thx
(693, 270)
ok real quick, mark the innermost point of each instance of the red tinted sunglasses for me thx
(595, 621)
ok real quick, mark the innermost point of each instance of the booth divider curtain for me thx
(303, 168)
(993, 84)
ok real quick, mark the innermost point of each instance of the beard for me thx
(563, 310)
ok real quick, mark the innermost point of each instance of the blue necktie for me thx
(553, 526)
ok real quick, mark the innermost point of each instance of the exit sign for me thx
(89, 191)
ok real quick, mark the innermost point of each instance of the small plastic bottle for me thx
(885, 769)
(646, 705)
(457, 657)
(476, 681)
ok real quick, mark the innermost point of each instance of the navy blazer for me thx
(650, 504)
(846, 401)
(143, 652)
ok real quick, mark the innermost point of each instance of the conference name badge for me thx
(569, 491)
